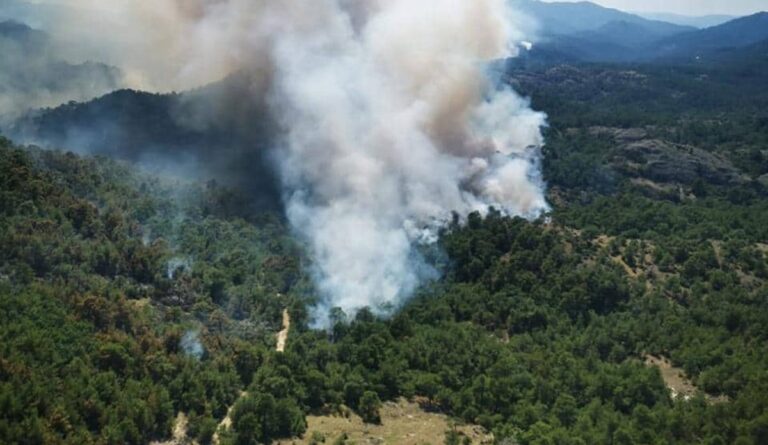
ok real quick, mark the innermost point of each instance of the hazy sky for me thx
(688, 7)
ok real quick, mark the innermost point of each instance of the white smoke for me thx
(177, 265)
(390, 128)
(388, 118)
(191, 345)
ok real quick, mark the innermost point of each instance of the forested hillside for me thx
(130, 298)
(127, 298)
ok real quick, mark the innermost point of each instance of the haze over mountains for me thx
(132, 125)
(738, 33)
(588, 32)
(564, 18)
(564, 32)
(32, 74)
(704, 21)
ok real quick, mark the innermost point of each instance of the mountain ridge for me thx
(741, 32)
(563, 18)
(702, 21)
(622, 41)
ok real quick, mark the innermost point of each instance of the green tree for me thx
(369, 407)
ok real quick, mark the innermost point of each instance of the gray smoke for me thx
(177, 265)
(191, 345)
(389, 128)
(388, 120)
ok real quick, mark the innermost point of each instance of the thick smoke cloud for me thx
(391, 127)
(387, 119)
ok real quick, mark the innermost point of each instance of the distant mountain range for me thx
(119, 122)
(566, 18)
(38, 14)
(23, 35)
(32, 75)
(738, 33)
(750, 61)
(703, 21)
(585, 31)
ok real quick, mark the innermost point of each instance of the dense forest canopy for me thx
(537, 331)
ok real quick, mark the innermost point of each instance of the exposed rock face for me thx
(621, 135)
(664, 162)
(575, 82)
(639, 155)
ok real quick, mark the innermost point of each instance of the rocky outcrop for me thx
(662, 161)
(621, 135)
(639, 155)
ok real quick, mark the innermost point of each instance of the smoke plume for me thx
(389, 128)
(387, 119)
(191, 345)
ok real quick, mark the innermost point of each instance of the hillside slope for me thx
(564, 18)
(128, 299)
(114, 315)
(741, 32)
(171, 133)
(620, 37)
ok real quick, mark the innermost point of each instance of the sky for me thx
(687, 7)
(684, 7)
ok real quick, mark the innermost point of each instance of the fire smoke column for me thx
(388, 121)
(390, 124)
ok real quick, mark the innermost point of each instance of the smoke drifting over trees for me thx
(387, 120)
(391, 126)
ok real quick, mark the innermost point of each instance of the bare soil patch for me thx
(282, 336)
(674, 377)
(679, 385)
(179, 433)
(402, 423)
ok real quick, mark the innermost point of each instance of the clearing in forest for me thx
(673, 377)
(402, 423)
(679, 385)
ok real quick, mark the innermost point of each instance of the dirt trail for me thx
(628, 270)
(226, 422)
(282, 336)
(179, 432)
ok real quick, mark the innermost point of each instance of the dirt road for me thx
(282, 336)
